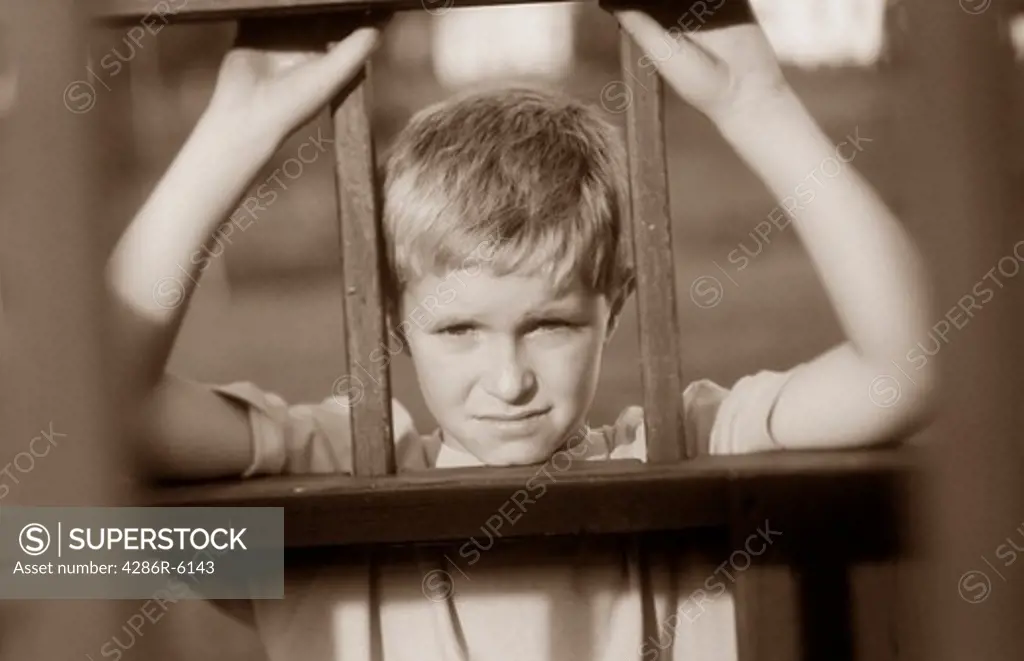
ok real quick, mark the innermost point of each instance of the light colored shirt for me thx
(576, 599)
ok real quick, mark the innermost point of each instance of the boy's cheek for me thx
(442, 378)
(573, 364)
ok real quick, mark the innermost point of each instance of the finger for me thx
(336, 28)
(345, 59)
(695, 54)
(315, 83)
(357, 46)
(690, 61)
(640, 26)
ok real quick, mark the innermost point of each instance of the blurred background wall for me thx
(269, 309)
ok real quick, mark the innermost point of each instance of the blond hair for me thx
(538, 177)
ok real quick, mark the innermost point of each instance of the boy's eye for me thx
(456, 329)
(554, 324)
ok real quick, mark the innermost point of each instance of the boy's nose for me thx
(509, 378)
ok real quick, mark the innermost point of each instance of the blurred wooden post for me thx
(54, 371)
(962, 122)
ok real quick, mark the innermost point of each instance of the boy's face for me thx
(508, 367)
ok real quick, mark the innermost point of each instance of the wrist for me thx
(779, 108)
(226, 134)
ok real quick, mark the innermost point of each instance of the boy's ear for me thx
(617, 304)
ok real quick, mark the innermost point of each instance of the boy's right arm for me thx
(262, 95)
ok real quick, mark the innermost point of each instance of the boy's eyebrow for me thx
(555, 308)
(438, 320)
(560, 307)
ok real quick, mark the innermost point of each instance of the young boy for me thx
(508, 359)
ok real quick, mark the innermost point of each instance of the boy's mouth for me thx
(514, 423)
(512, 417)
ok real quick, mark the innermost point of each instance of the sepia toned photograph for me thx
(477, 330)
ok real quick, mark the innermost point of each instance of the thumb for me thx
(357, 46)
(326, 74)
(354, 49)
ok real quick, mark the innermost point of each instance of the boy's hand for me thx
(724, 67)
(277, 76)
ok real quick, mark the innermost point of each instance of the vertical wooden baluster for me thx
(55, 365)
(655, 264)
(362, 262)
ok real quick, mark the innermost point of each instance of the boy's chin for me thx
(516, 453)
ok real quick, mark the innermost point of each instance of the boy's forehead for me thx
(465, 292)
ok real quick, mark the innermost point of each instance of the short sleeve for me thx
(734, 421)
(301, 438)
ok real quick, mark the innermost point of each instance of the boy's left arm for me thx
(863, 391)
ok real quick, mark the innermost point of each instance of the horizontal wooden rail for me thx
(861, 489)
(162, 11)
(158, 12)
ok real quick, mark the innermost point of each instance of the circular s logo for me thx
(34, 539)
(438, 585)
(974, 586)
(884, 391)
